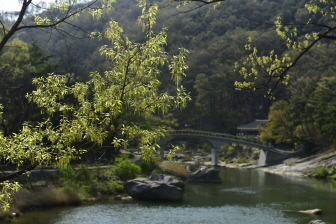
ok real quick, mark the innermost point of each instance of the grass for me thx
(46, 197)
(325, 157)
(319, 172)
(242, 160)
(71, 186)
(171, 168)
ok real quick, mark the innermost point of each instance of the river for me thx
(245, 196)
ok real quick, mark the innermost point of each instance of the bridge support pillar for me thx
(262, 157)
(214, 158)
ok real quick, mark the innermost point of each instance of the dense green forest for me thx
(72, 84)
(216, 40)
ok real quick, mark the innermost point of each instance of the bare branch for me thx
(16, 27)
(18, 173)
(329, 37)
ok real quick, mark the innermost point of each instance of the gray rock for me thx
(170, 180)
(157, 187)
(311, 211)
(117, 197)
(205, 175)
(316, 222)
(178, 156)
(315, 211)
(126, 198)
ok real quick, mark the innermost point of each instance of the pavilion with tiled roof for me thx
(250, 130)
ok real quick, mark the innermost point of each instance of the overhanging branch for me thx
(18, 173)
(25, 3)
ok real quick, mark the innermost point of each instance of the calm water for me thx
(245, 196)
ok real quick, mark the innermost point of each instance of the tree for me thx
(314, 108)
(280, 129)
(324, 100)
(84, 116)
(65, 10)
(299, 39)
(217, 103)
(308, 117)
(19, 64)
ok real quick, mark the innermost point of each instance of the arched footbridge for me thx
(268, 153)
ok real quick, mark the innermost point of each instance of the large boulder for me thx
(205, 175)
(157, 187)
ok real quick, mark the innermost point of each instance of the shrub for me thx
(71, 182)
(207, 147)
(87, 181)
(187, 156)
(125, 169)
(319, 172)
(204, 153)
(242, 160)
(156, 171)
(147, 166)
(111, 186)
(230, 148)
(227, 150)
(332, 177)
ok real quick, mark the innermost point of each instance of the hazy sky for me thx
(14, 5)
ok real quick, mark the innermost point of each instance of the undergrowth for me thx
(322, 172)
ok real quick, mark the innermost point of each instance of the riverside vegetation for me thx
(79, 102)
(78, 183)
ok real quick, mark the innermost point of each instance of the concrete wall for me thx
(269, 157)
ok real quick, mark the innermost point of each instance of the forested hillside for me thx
(109, 75)
(216, 39)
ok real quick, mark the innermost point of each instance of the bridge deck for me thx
(229, 138)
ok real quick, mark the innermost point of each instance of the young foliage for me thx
(85, 116)
(270, 70)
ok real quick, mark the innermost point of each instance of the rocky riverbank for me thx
(298, 166)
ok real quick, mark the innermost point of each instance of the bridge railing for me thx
(218, 135)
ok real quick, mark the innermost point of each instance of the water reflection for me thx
(245, 196)
(169, 214)
(261, 177)
(241, 190)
